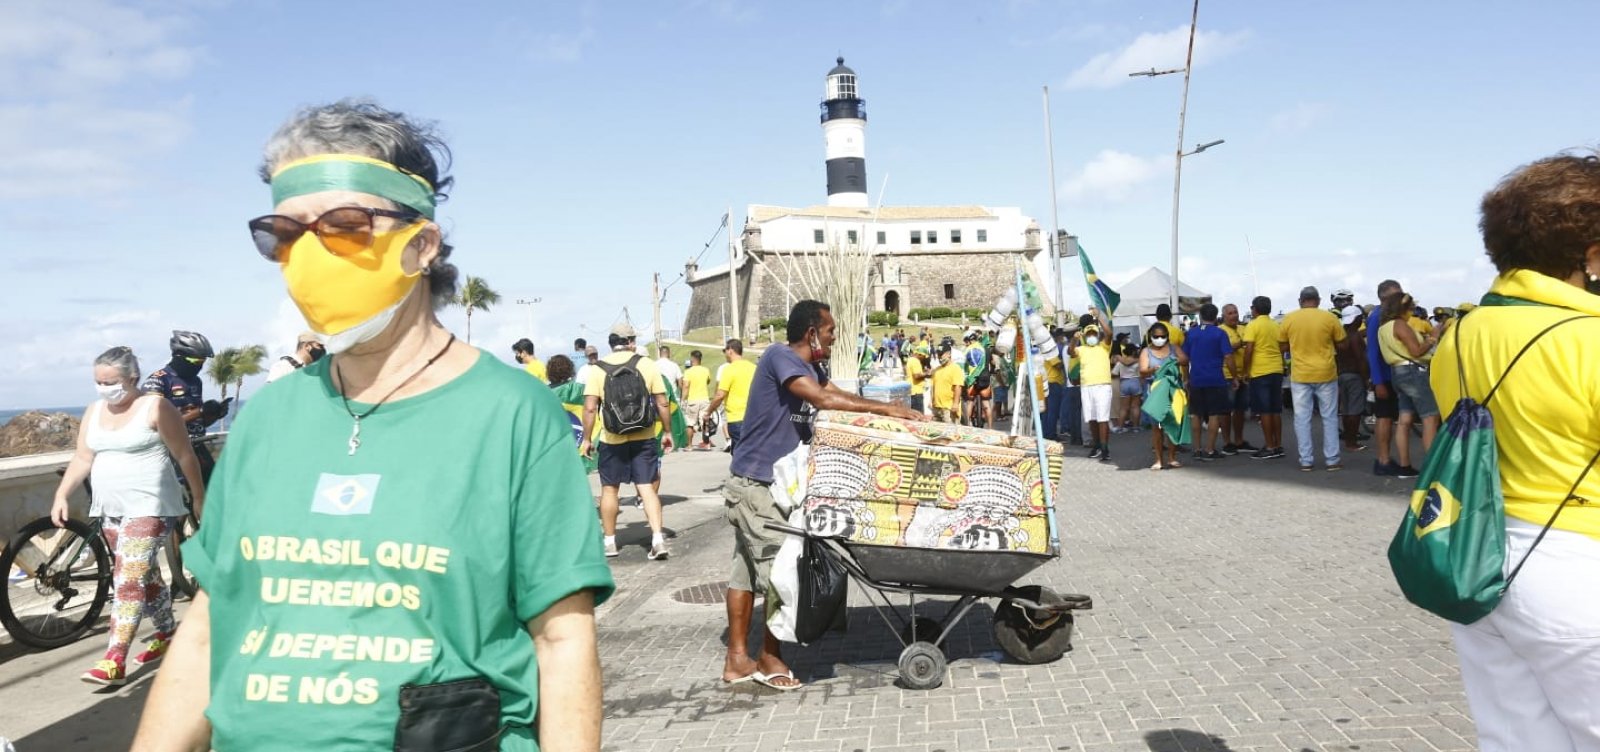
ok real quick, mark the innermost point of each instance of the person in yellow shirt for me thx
(697, 397)
(632, 457)
(917, 374)
(1311, 334)
(1094, 361)
(1262, 365)
(1532, 666)
(1238, 384)
(1175, 333)
(947, 380)
(733, 389)
(522, 350)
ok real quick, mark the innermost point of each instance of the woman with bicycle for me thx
(1531, 667)
(123, 446)
(401, 549)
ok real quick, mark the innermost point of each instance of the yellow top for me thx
(1311, 334)
(1175, 334)
(698, 379)
(1053, 371)
(535, 368)
(1233, 365)
(1545, 419)
(596, 387)
(1267, 358)
(1394, 351)
(1420, 325)
(1096, 364)
(736, 379)
(918, 377)
(946, 380)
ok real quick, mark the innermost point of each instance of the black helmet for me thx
(191, 345)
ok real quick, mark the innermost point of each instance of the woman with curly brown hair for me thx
(1532, 666)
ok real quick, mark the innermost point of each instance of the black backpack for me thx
(627, 404)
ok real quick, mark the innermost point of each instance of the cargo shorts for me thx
(749, 506)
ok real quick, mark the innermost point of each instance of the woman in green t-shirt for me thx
(400, 548)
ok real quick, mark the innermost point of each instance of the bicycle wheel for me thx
(182, 582)
(68, 582)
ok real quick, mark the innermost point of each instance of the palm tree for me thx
(475, 295)
(233, 364)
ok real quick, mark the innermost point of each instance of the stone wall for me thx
(706, 300)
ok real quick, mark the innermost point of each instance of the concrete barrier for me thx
(28, 485)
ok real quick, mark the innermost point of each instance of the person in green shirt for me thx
(406, 519)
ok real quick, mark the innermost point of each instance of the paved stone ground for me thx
(1239, 605)
(1242, 605)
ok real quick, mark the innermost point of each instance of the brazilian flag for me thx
(1101, 295)
(571, 396)
(679, 427)
(1168, 404)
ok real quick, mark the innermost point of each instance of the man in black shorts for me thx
(1210, 399)
(1386, 405)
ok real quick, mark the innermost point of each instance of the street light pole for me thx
(530, 303)
(1177, 167)
(1055, 221)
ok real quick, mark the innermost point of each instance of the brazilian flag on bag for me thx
(1450, 551)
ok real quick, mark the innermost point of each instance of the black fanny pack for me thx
(457, 716)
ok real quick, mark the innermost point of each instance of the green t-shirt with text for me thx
(335, 578)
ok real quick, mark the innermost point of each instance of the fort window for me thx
(933, 237)
(949, 291)
(955, 236)
(983, 236)
(851, 235)
(883, 237)
(816, 236)
(916, 237)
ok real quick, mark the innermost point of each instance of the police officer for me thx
(180, 383)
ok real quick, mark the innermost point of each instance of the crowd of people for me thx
(398, 478)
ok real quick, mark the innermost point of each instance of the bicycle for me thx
(68, 578)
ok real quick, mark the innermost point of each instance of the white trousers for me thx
(1532, 666)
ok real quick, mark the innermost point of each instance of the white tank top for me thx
(131, 475)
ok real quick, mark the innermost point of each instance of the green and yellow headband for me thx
(352, 172)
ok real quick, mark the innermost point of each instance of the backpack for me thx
(627, 404)
(1449, 554)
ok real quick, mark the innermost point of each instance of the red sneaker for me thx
(157, 647)
(106, 672)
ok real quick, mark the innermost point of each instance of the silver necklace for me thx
(355, 429)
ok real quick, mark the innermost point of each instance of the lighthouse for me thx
(844, 133)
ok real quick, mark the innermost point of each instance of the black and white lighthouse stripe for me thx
(844, 132)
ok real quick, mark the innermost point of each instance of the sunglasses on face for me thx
(343, 231)
(195, 361)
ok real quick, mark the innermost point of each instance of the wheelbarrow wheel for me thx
(1033, 636)
(928, 629)
(922, 666)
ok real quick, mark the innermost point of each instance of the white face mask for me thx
(1091, 341)
(113, 394)
(1158, 341)
(364, 331)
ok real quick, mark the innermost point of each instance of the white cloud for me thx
(79, 117)
(1161, 51)
(1299, 117)
(1112, 176)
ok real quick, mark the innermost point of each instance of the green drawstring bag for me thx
(1449, 554)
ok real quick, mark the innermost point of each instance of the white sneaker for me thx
(658, 551)
(611, 550)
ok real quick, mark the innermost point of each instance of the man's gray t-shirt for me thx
(775, 420)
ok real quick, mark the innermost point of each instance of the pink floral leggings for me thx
(139, 590)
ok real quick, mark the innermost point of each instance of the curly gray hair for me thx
(360, 126)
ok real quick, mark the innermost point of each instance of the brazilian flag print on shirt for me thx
(335, 578)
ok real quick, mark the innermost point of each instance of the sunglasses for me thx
(194, 361)
(344, 231)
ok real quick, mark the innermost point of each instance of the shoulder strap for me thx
(1461, 370)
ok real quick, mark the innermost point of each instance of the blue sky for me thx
(599, 142)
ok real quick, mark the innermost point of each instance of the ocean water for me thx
(7, 415)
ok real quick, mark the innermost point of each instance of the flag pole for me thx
(1038, 423)
(1055, 221)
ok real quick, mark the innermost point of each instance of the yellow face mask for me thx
(350, 299)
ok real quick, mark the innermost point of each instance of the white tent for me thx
(1151, 288)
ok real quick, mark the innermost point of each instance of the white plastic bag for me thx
(789, 477)
(783, 584)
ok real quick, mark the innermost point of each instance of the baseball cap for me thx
(308, 336)
(1309, 292)
(624, 329)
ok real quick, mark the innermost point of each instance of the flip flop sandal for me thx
(766, 680)
(746, 678)
(1174, 463)
(1158, 466)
